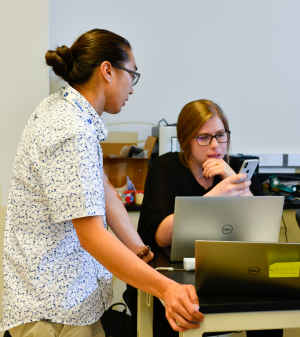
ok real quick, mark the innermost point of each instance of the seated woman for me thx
(200, 169)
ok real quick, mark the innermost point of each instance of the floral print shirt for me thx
(57, 177)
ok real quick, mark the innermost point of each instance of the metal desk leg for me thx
(145, 315)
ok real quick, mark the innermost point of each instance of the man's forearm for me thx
(108, 250)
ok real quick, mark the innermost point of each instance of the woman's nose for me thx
(214, 142)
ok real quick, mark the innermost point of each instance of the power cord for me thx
(169, 269)
(164, 122)
(188, 265)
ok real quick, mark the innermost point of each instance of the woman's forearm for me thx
(163, 235)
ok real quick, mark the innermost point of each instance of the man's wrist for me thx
(143, 252)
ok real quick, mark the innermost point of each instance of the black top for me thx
(167, 178)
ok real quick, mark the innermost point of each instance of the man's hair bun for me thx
(61, 61)
(77, 63)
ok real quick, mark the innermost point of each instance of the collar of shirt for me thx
(72, 95)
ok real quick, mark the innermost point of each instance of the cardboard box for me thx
(115, 150)
(118, 168)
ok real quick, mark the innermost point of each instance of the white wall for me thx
(243, 54)
(24, 77)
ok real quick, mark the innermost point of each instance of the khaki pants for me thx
(49, 329)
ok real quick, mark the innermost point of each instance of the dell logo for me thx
(253, 270)
(227, 229)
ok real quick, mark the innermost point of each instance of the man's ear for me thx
(106, 71)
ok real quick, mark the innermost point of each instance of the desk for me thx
(219, 322)
(290, 225)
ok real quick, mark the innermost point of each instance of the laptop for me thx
(249, 218)
(238, 276)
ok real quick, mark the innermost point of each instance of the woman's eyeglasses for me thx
(206, 139)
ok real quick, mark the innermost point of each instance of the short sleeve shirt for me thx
(57, 177)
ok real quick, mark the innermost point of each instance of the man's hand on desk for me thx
(182, 307)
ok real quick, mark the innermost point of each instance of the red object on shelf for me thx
(129, 196)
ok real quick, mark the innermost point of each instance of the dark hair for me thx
(191, 118)
(77, 63)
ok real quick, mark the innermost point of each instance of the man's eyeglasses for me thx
(206, 139)
(134, 74)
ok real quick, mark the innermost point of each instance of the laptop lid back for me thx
(247, 268)
(253, 218)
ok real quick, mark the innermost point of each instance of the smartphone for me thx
(249, 167)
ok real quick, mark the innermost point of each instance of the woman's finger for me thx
(211, 163)
(211, 172)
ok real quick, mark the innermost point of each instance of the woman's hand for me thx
(235, 185)
(247, 193)
(213, 167)
(182, 307)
